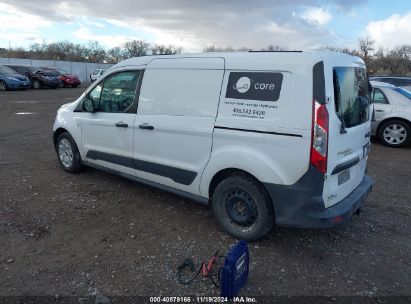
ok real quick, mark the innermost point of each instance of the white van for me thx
(96, 74)
(264, 137)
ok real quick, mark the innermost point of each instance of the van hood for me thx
(68, 107)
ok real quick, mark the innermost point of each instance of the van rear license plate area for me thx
(343, 177)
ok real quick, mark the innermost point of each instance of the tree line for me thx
(393, 61)
(93, 51)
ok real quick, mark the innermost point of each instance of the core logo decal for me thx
(243, 85)
(262, 86)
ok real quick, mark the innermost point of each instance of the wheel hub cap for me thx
(65, 153)
(395, 134)
(240, 208)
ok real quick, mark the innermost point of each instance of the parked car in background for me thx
(10, 80)
(392, 114)
(67, 79)
(38, 77)
(96, 74)
(398, 81)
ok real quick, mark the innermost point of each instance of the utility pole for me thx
(9, 51)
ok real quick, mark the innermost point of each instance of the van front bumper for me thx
(302, 205)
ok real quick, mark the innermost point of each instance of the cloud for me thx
(317, 15)
(15, 38)
(17, 26)
(110, 41)
(92, 23)
(392, 31)
(196, 24)
(12, 18)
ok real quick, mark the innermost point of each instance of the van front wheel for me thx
(242, 208)
(68, 154)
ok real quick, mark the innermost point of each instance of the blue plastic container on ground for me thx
(235, 271)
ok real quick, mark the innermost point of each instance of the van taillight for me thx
(319, 146)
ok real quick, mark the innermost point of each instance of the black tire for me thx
(243, 208)
(386, 133)
(3, 86)
(36, 84)
(75, 165)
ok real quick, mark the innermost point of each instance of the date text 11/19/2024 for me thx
(202, 299)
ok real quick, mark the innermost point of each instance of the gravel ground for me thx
(84, 234)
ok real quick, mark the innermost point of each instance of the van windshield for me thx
(351, 94)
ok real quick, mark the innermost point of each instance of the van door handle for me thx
(121, 124)
(379, 110)
(146, 126)
(368, 134)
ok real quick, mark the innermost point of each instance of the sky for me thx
(196, 24)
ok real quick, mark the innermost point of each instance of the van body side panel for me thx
(268, 113)
(253, 152)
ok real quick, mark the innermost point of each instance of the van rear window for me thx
(351, 95)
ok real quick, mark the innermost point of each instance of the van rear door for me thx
(349, 129)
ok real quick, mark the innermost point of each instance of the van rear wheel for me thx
(242, 208)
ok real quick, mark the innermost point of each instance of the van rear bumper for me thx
(341, 212)
(302, 211)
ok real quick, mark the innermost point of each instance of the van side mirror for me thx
(88, 106)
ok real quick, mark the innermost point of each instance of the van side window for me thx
(378, 96)
(116, 94)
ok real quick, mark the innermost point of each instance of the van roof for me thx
(239, 58)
